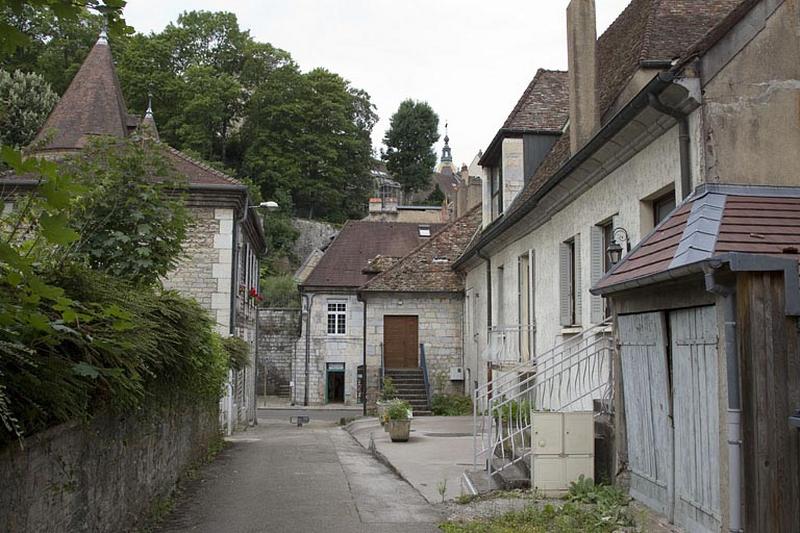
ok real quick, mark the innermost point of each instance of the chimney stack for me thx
(375, 205)
(584, 113)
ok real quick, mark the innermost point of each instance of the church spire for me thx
(447, 156)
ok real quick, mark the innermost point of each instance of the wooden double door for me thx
(401, 341)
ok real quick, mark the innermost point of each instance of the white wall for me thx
(619, 196)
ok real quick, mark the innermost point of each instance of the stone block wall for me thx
(440, 331)
(103, 476)
(278, 331)
(324, 349)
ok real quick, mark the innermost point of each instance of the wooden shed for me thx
(707, 372)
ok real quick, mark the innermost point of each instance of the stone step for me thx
(411, 372)
(418, 412)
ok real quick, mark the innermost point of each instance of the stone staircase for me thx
(410, 386)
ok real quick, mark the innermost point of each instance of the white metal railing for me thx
(568, 377)
(509, 344)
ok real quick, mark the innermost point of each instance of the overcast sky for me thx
(469, 59)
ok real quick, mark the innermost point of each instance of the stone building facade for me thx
(329, 357)
(649, 132)
(225, 238)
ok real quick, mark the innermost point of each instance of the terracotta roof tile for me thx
(357, 243)
(750, 219)
(429, 267)
(197, 172)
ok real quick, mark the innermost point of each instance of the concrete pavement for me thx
(277, 477)
(440, 448)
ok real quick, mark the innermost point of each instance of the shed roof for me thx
(715, 220)
(429, 267)
(357, 243)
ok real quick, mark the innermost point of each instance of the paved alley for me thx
(278, 477)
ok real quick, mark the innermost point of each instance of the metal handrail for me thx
(571, 372)
(424, 365)
(538, 361)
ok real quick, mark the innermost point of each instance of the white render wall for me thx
(324, 348)
(618, 195)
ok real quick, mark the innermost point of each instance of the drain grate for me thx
(447, 434)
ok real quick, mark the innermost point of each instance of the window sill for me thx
(571, 330)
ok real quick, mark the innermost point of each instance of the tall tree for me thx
(309, 135)
(25, 101)
(409, 155)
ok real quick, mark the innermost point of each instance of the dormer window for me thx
(424, 230)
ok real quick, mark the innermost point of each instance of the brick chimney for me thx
(375, 205)
(584, 113)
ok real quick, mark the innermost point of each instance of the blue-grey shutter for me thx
(598, 254)
(565, 290)
(578, 286)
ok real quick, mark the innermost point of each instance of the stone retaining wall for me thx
(278, 331)
(102, 476)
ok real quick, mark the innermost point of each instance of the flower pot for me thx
(399, 430)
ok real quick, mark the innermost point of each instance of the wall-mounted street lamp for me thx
(614, 250)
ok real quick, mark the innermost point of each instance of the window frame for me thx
(339, 315)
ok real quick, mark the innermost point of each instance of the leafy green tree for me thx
(309, 134)
(131, 219)
(25, 101)
(200, 71)
(409, 155)
(53, 37)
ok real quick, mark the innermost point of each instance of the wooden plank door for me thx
(693, 345)
(646, 384)
(401, 341)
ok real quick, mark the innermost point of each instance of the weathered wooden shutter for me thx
(565, 285)
(598, 256)
(578, 278)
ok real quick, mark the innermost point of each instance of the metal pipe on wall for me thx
(734, 410)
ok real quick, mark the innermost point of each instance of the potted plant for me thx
(399, 414)
(388, 393)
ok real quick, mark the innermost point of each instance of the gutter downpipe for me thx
(734, 421)
(683, 141)
(232, 326)
(309, 302)
(364, 360)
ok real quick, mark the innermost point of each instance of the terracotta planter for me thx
(399, 430)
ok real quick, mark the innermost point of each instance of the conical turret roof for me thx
(92, 105)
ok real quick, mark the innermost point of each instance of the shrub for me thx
(388, 391)
(515, 410)
(114, 348)
(398, 410)
(280, 291)
(451, 405)
(238, 352)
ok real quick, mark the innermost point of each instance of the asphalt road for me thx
(278, 477)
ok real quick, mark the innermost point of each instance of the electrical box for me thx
(456, 373)
(562, 449)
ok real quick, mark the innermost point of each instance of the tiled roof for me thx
(92, 105)
(544, 106)
(197, 172)
(429, 267)
(715, 220)
(645, 30)
(357, 243)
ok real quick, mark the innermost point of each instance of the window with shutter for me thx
(566, 282)
(576, 280)
(598, 268)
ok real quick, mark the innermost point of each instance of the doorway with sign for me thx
(334, 392)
